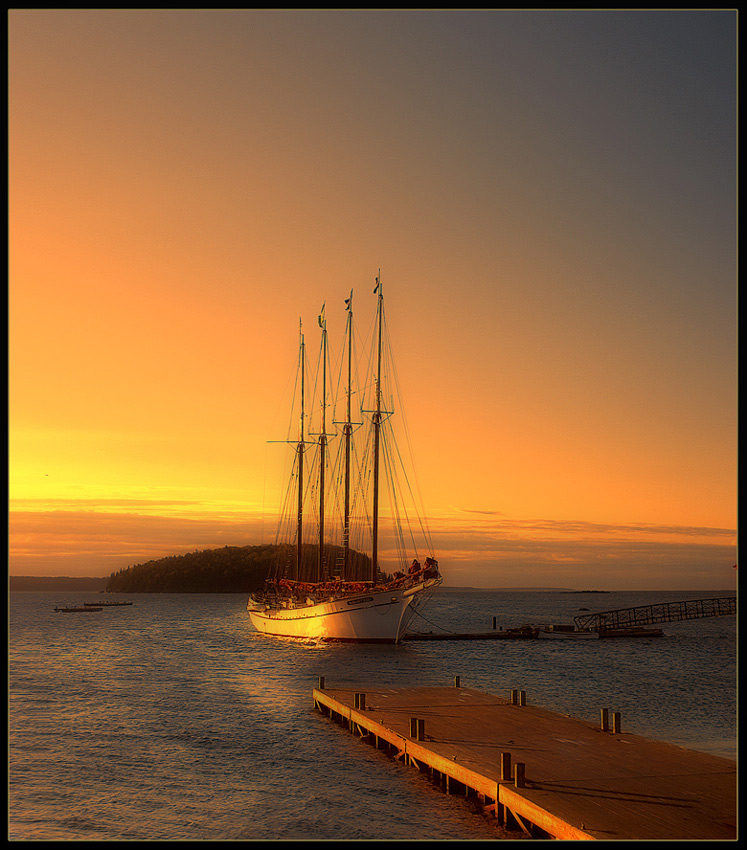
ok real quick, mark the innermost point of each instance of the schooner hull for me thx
(376, 617)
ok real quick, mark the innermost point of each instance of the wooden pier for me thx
(659, 612)
(551, 775)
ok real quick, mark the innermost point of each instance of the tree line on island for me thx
(232, 569)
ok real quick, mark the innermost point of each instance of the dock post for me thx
(457, 681)
(605, 717)
(505, 767)
(321, 683)
(494, 621)
(522, 697)
(359, 701)
(514, 697)
(519, 774)
(417, 728)
(616, 722)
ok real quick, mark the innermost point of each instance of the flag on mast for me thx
(377, 284)
(349, 301)
(321, 316)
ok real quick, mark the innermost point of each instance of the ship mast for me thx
(347, 430)
(377, 435)
(322, 444)
(300, 450)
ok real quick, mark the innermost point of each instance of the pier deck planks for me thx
(581, 782)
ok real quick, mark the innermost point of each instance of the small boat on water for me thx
(77, 610)
(566, 631)
(105, 604)
(326, 586)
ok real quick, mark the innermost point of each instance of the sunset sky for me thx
(550, 197)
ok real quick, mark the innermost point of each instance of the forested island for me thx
(232, 569)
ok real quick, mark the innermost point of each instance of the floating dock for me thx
(521, 633)
(533, 632)
(548, 774)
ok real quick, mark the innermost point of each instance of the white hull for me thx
(378, 617)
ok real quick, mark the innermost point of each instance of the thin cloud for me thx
(484, 554)
(590, 528)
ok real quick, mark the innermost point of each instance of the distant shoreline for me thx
(32, 583)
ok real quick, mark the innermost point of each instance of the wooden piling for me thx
(505, 767)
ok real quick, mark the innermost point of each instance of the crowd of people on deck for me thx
(290, 589)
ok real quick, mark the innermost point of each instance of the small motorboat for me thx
(76, 610)
(566, 632)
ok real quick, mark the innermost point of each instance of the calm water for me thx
(173, 720)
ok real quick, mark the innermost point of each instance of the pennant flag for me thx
(349, 301)
(377, 284)
(321, 316)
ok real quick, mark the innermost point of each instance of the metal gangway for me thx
(661, 612)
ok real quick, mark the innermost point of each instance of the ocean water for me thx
(173, 719)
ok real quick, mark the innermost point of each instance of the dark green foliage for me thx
(233, 569)
(359, 566)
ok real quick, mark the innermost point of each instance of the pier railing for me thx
(662, 612)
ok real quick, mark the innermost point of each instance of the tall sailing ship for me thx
(329, 588)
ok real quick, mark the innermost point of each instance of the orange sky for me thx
(550, 198)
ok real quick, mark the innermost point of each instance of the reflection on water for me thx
(173, 720)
